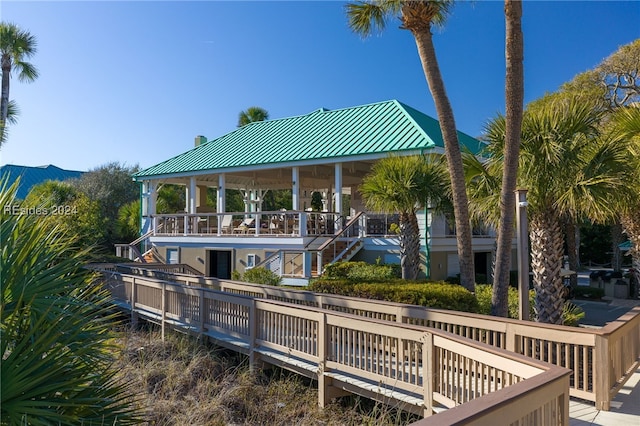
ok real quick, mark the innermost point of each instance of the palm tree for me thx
(419, 17)
(626, 128)
(402, 185)
(55, 332)
(12, 118)
(514, 98)
(16, 46)
(568, 171)
(251, 115)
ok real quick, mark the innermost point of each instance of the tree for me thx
(626, 129)
(12, 118)
(419, 17)
(111, 186)
(612, 84)
(56, 330)
(64, 207)
(251, 115)
(568, 170)
(514, 99)
(402, 185)
(16, 47)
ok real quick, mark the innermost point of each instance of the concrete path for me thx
(625, 408)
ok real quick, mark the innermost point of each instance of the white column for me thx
(192, 195)
(221, 204)
(338, 192)
(221, 201)
(295, 188)
(153, 197)
(145, 222)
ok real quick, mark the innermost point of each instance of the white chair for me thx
(227, 224)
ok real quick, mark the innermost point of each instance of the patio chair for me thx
(245, 226)
(227, 224)
(275, 225)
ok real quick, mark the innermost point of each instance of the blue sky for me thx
(135, 82)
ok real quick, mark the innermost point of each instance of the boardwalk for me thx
(367, 354)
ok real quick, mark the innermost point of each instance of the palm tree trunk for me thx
(427, 53)
(571, 238)
(409, 246)
(616, 240)
(631, 224)
(514, 104)
(546, 261)
(4, 98)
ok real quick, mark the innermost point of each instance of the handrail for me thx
(602, 360)
(141, 238)
(332, 241)
(412, 367)
(340, 232)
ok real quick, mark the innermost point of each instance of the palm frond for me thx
(367, 18)
(56, 324)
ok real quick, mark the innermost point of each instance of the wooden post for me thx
(202, 311)
(602, 379)
(253, 331)
(323, 398)
(427, 373)
(134, 314)
(164, 308)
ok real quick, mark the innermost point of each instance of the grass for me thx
(183, 382)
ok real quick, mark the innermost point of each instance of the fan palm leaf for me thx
(55, 330)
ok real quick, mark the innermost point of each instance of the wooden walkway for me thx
(412, 367)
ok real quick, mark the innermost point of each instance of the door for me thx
(219, 264)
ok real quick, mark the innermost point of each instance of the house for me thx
(31, 176)
(326, 152)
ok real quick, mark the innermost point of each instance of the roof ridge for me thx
(408, 114)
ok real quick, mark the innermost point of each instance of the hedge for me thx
(438, 295)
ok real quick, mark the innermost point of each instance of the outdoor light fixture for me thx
(522, 224)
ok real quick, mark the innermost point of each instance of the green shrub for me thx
(484, 293)
(572, 314)
(261, 276)
(236, 275)
(332, 286)
(362, 271)
(439, 295)
(588, 292)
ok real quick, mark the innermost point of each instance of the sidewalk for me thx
(625, 408)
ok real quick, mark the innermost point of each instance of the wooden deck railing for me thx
(269, 223)
(602, 360)
(412, 367)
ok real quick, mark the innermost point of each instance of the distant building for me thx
(31, 176)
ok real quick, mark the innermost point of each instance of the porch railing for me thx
(271, 223)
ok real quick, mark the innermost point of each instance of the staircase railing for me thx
(130, 250)
(350, 230)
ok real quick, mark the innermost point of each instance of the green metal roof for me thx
(31, 176)
(379, 128)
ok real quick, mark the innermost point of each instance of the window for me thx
(251, 261)
(173, 256)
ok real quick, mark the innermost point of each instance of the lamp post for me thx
(427, 241)
(522, 226)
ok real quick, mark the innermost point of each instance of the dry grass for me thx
(185, 382)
